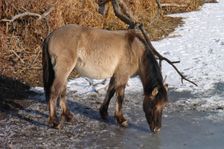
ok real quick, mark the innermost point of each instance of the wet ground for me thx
(184, 126)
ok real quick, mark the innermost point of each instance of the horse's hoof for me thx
(59, 126)
(69, 117)
(53, 123)
(124, 124)
(73, 120)
(121, 120)
(103, 113)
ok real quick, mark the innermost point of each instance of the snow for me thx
(82, 87)
(199, 45)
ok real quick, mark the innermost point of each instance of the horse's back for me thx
(64, 38)
(95, 52)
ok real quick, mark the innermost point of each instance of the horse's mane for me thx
(153, 74)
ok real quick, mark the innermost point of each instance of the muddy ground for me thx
(23, 124)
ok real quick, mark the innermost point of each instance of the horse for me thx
(99, 54)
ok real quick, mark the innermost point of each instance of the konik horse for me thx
(100, 54)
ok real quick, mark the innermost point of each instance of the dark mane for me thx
(152, 75)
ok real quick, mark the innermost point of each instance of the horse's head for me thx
(153, 106)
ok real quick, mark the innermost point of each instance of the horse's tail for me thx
(48, 71)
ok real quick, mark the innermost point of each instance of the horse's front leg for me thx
(109, 95)
(118, 110)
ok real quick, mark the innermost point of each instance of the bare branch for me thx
(161, 58)
(48, 26)
(45, 14)
(158, 4)
(28, 14)
(126, 19)
(20, 16)
(102, 2)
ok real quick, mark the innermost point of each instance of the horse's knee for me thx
(57, 87)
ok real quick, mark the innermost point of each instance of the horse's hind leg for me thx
(58, 90)
(109, 95)
(66, 115)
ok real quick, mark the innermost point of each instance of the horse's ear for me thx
(155, 91)
(166, 86)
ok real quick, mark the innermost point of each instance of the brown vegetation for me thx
(20, 40)
(176, 6)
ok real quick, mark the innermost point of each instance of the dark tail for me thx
(48, 72)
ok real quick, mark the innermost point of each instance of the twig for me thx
(36, 68)
(126, 19)
(18, 56)
(45, 14)
(172, 5)
(90, 81)
(94, 86)
(161, 58)
(158, 4)
(102, 82)
(158, 13)
(35, 59)
(40, 16)
(48, 26)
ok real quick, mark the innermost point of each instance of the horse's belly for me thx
(95, 71)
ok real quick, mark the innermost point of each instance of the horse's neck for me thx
(150, 74)
(148, 84)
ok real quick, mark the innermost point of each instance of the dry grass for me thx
(177, 6)
(20, 41)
